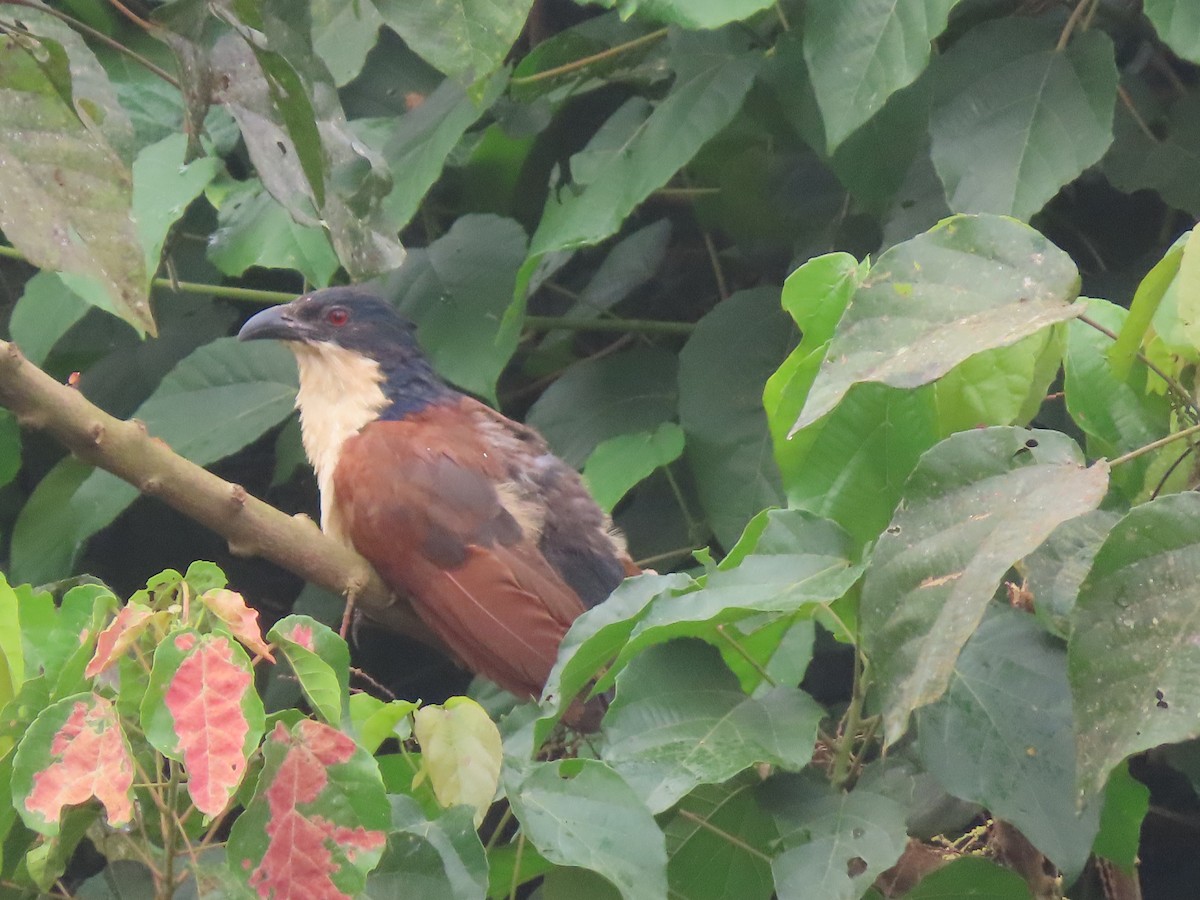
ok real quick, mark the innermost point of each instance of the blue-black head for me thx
(355, 320)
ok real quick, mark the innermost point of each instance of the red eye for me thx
(337, 317)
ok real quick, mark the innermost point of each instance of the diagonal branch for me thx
(252, 527)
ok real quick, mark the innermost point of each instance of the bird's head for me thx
(351, 340)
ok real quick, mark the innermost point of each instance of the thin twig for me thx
(1162, 482)
(1154, 445)
(99, 36)
(1127, 100)
(715, 262)
(586, 61)
(1072, 21)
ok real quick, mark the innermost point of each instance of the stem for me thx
(495, 835)
(1072, 21)
(170, 833)
(99, 36)
(783, 19)
(516, 876)
(659, 557)
(1162, 482)
(843, 760)
(586, 61)
(1172, 384)
(1153, 445)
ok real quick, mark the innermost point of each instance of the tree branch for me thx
(252, 527)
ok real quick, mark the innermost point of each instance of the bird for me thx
(494, 539)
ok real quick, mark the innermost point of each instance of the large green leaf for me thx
(599, 399)
(253, 229)
(439, 857)
(1009, 699)
(976, 503)
(719, 842)
(1056, 569)
(642, 145)
(836, 843)
(1014, 118)
(974, 283)
(1134, 662)
(860, 52)
(65, 192)
(680, 720)
(1178, 24)
(971, 878)
(457, 290)
(579, 812)
(420, 141)
(247, 389)
(163, 186)
(722, 371)
(619, 463)
(466, 39)
(45, 312)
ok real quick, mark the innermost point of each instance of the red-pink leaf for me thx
(230, 608)
(118, 637)
(89, 757)
(205, 700)
(299, 859)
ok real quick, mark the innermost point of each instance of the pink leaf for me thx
(118, 637)
(230, 608)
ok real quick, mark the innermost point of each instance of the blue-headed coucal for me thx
(495, 540)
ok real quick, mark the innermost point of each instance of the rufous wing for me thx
(425, 501)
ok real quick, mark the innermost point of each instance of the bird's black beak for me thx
(276, 323)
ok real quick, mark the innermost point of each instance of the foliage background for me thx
(597, 208)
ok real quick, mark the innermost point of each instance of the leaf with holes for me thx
(119, 636)
(201, 708)
(460, 752)
(680, 719)
(231, 608)
(836, 843)
(65, 192)
(977, 503)
(971, 284)
(321, 661)
(318, 821)
(74, 750)
(1134, 653)
(579, 812)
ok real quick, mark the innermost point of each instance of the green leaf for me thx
(595, 639)
(1117, 414)
(1014, 118)
(836, 843)
(343, 34)
(1166, 160)
(976, 503)
(461, 753)
(457, 290)
(579, 812)
(974, 283)
(420, 141)
(12, 653)
(970, 878)
(1178, 24)
(375, 720)
(619, 463)
(45, 312)
(65, 193)
(596, 400)
(801, 564)
(641, 146)
(1126, 802)
(680, 720)
(466, 39)
(1132, 659)
(163, 187)
(722, 371)
(1157, 286)
(248, 389)
(439, 857)
(253, 229)
(860, 52)
(688, 13)
(704, 863)
(1009, 697)
(321, 661)
(1055, 570)
(10, 447)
